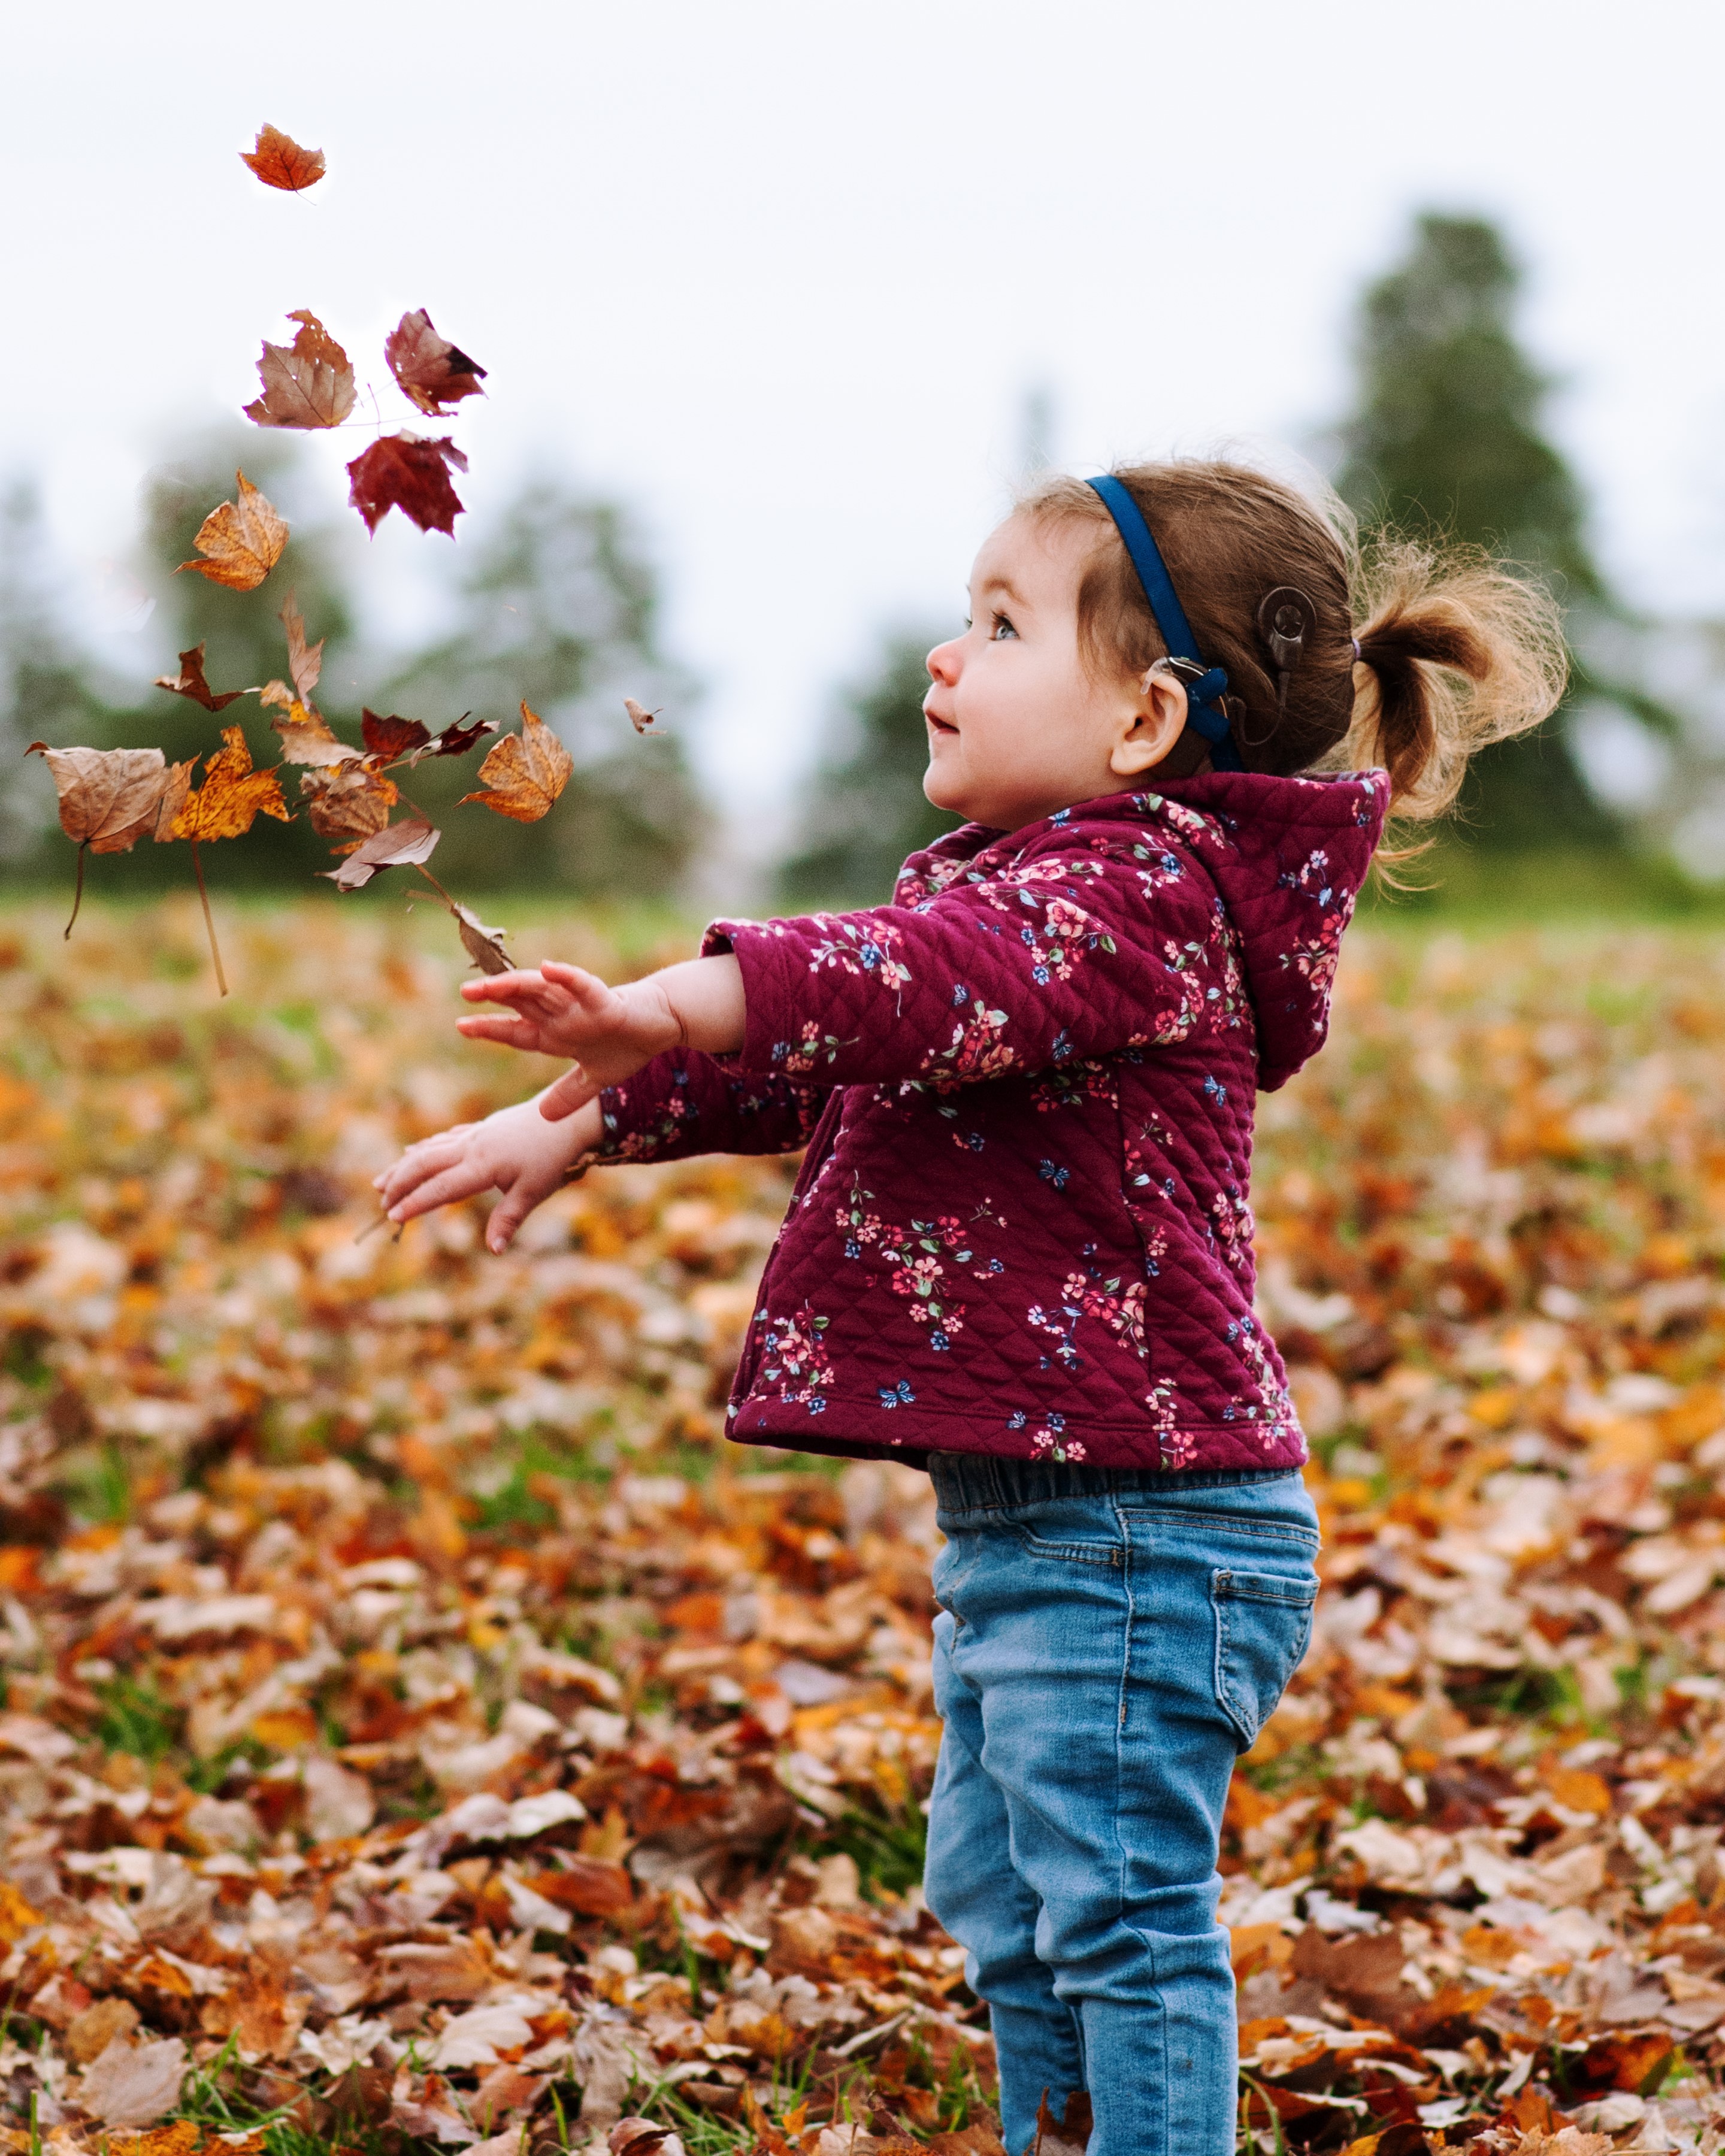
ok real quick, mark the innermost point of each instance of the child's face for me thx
(1017, 727)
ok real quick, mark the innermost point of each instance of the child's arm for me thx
(610, 1033)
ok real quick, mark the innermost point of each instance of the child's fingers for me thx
(421, 1160)
(516, 1202)
(463, 1178)
(589, 990)
(503, 988)
(512, 1031)
(572, 1090)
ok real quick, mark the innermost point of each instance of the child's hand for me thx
(610, 1033)
(517, 1151)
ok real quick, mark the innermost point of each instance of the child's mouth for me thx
(940, 726)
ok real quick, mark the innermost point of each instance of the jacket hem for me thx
(1193, 1448)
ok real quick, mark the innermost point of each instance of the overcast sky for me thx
(782, 273)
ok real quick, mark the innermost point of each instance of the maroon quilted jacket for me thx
(1026, 1090)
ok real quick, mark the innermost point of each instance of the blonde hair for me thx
(1455, 650)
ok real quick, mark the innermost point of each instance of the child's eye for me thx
(1001, 629)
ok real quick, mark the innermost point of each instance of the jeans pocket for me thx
(1263, 1624)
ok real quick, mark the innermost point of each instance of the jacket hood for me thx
(1287, 857)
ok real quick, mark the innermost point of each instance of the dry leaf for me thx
(278, 162)
(352, 802)
(89, 2034)
(109, 797)
(404, 845)
(525, 772)
(308, 383)
(232, 796)
(457, 739)
(409, 473)
(133, 2088)
(306, 738)
(305, 661)
(640, 2136)
(189, 681)
(181, 2138)
(242, 540)
(391, 738)
(483, 945)
(640, 717)
(431, 370)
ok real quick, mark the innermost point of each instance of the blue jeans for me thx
(1108, 1642)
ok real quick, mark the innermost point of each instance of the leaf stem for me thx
(77, 895)
(209, 920)
(435, 885)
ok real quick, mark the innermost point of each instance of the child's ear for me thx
(1152, 720)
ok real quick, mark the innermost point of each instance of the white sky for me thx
(781, 272)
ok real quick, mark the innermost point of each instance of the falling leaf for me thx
(278, 162)
(276, 692)
(431, 370)
(404, 845)
(132, 2088)
(456, 740)
(525, 772)
(308, 383)
(352, 802)
(483, 945)
(306, 738)
(109, 797)
(242, 540)
(391, 738)
(640, 718)
(231, 797)
(305, 661)
(406, 472)
(189, 681)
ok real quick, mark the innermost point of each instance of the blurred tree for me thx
(1446, 435)
(44, 694)
(560, 607)
(866, 808)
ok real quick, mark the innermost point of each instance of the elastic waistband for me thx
(977, 1482)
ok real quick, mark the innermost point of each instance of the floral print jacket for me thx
(1026, 1088)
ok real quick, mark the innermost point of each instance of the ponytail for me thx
(1456, 652)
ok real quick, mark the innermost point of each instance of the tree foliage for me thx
(865, 807)
(1446, 435)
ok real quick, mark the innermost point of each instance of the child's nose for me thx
(943, 662)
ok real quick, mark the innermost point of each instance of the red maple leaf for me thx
(434, 372)
(409, 473)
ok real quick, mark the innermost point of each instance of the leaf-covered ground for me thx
(421, 1730)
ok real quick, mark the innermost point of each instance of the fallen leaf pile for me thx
(423, 1731)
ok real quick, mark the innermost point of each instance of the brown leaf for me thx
(638, 2137)
(109, 797)
(242, 540)
(409, 473)
(232, 796)
(400, 845)
(483, 945)
(308, 383)
(90, 2032)
(127, 2087)
(640, 718)
(259, 2013)
(189, 681)
(306, 738)
(278, 162)
(391, 738)
(1064, 2135)
(352, 802)
(525, 772)
(305, 661)
(456, 740)
(431, 370)
(181, 2138)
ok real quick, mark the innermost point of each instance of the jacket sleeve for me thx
(1080, 950)
(685, 1103)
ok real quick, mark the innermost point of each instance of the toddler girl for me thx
(1019, 1251)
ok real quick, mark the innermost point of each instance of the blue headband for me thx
(1204, 711)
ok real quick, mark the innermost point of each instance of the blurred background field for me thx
(422, 1728)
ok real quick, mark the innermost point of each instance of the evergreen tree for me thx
(43, 694)
(866, 808)
(1446, 436)
(560, 608)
